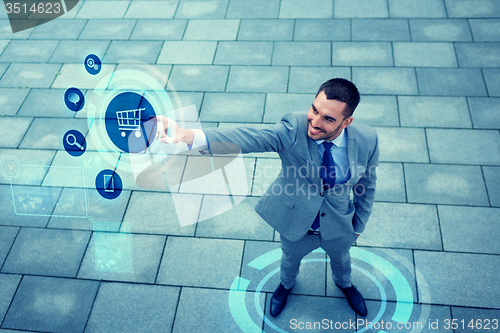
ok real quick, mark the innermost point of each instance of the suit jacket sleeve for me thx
(277, 137)
(364, 192)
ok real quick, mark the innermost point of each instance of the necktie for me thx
(327, 172)
(328, 167)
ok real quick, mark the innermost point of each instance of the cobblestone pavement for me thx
(72, 261)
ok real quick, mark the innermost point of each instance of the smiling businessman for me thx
(324, 158)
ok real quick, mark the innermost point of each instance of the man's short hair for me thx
(341, 90)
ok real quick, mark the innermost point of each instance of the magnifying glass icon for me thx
(74, 143)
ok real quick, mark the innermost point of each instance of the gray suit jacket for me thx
(292, 202)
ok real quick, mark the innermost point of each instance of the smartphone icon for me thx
(109, 185)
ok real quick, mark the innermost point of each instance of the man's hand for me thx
(177, 134)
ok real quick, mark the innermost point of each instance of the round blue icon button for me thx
(128, 123)
(109, 184)
(93, 64)
(74, 100)
(74, 143)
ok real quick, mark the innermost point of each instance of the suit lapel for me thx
(352, 151)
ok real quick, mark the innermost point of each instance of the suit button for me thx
(323, 214)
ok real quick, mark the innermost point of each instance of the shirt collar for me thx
(337, 141)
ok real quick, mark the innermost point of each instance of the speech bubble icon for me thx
(74, 98)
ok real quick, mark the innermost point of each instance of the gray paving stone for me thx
(152, 9)
(377, 111)
(302, 53)
(385, 81)
(103, 9)
(254, 275)
(422, 315)
(440, 30)
(9, 283)
(434, 112)
(202, 9)
(383, 265)
(362, 54)
(14, 129)
(160, 213)
(122, 257)
(402, 144)
(48, 133)
(458, 146)
(199, 78)
(318, 308)
(480, 319)
(51, 304)
(68, 51)
(450, 82)
(134, 308)
(266, 171)
(240, 222)
(380, 30)
(244, 53)
(92, 213)
(123, 51)
(478, 54)
(449, 275)
(400, 225)
(491, 76)
(68, 171)
(34, 165)
(214, 29)
(445, 184)
(29, 75)
(424, 55)
(188, 98)
(257, 79)
(200, 262)
(485, 30)
(50, 252)
(492, 178)
(6, 31)
(184, 52)
(360, 9)
(7, 236)
(256, 9)
(107, 29)
(277, 105)
(59, 29)
(470, 229)
(75, 75)
(45, 103)
(159, 29)
(472, 9)
(205, 310)
(309, 9)
(232, 107)
(417, 8)
(309, 79)
(195, 179)
(11, 100)
(390, 183)
(322, 30)
(266, 30)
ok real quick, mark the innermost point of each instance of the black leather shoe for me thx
(355, 299)
(278, 301)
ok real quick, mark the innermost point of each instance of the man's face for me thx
(326, 118)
